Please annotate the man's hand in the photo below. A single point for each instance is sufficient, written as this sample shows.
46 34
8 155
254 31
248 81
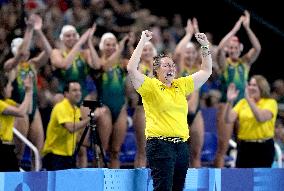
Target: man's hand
85 111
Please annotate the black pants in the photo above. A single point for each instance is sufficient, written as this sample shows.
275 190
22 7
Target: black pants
8 159
168 163
58 162
255 155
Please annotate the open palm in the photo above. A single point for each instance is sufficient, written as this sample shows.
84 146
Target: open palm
232 92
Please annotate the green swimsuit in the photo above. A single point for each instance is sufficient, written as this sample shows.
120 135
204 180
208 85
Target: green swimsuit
78 71
236 72
18 93
112 90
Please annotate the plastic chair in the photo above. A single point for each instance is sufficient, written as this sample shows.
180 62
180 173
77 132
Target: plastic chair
128 148
209 147
211 140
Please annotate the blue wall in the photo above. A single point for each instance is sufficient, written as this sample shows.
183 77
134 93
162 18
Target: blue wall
140 180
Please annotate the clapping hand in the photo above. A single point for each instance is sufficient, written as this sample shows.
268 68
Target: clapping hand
92 30
246 19
195 25
28 83
232 92
189 29
238 24
84 38
37 22
30 21
122 42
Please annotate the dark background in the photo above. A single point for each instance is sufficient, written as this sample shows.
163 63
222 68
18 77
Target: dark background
219 17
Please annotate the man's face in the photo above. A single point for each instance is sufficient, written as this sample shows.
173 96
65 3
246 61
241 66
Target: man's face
74 94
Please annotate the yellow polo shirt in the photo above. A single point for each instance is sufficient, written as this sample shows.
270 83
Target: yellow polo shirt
249 127
59 140
6 121
166 107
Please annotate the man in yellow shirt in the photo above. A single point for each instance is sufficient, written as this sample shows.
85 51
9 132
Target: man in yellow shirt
61 130
8 111
165 104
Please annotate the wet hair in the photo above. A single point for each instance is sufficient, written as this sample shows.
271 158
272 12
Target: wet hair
263 85
3 83
157 63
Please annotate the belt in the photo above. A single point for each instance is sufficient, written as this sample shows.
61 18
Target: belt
6 142
168 139
256 140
